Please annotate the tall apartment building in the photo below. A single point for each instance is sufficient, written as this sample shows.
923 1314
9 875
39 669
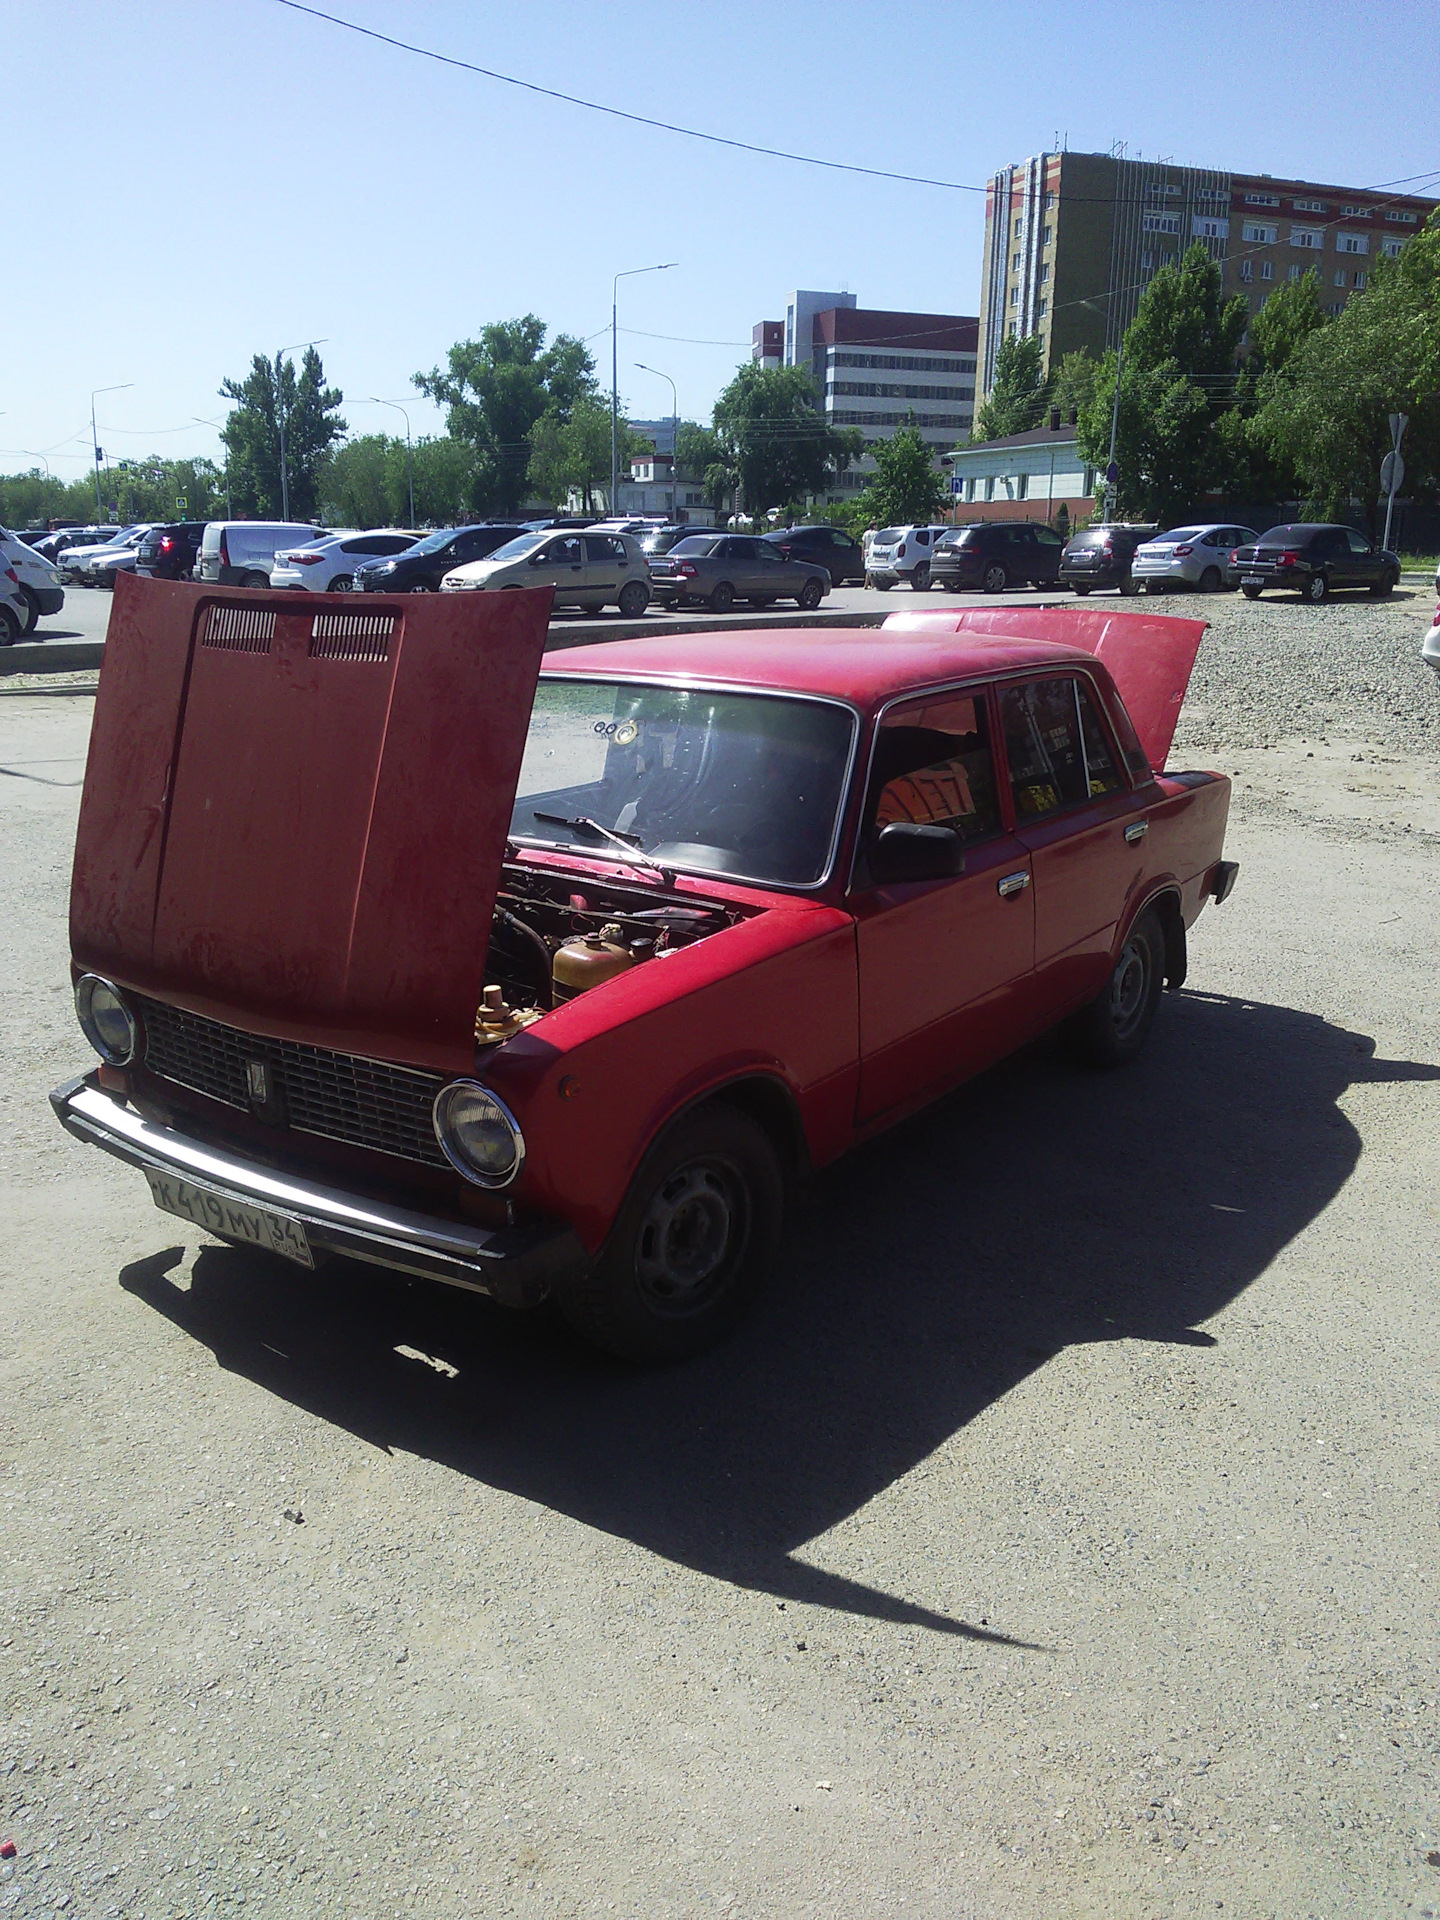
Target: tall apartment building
1073 239
873 369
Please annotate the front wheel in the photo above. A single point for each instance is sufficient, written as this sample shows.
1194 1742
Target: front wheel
634 599
343 583
1379 589
1129 588
920 578
1115 1025
996 580
882 586
691 1244
1316 589
722 597
810 595
421 586
1251 593
9 627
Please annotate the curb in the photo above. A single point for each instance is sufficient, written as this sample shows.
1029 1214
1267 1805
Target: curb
59 656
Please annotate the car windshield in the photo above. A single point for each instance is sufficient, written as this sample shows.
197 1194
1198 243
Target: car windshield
1176 536
743 784
518 548
433 542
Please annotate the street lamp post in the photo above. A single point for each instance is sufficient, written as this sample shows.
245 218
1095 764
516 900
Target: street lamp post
628 274
674 437
280 420
409 456
94 450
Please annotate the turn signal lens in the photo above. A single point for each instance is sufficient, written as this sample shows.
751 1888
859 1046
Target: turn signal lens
478 1134
105 1020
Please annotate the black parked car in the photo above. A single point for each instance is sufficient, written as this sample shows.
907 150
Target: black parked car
990 555
841 555
168 552
1101 556
421 568
54 544
1313 559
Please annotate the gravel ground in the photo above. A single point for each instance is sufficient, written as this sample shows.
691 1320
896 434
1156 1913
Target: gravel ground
1058 1540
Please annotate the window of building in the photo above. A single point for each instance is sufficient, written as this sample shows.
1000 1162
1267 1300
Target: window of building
1206 229
1358 213
1307 236
1047 234
970 488
1147 263
1352 243
1022 485
1339 276
1257 231
1019 228
1335 307
1049 202
1044 272
1089 486
1359 276
1013 328
1262 199
1014 296
1016 261
1308 206
990 486
1391 248
1295 272
1267 269
1160 223
1400 217
1247 270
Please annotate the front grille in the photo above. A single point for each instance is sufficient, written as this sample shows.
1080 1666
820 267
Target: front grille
366 1103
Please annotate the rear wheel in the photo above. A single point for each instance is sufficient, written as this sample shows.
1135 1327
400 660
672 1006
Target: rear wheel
691 1244
1130 588
1251 593
920 578
722 597
254 580
634 599
995 579
810 595
1114 1027
32 609
1316 589
882 586
343 583
1210 580
9 627
1079 592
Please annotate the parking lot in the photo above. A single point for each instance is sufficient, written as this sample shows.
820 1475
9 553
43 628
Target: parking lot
1058 1539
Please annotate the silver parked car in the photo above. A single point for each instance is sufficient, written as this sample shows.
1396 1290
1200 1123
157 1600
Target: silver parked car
586 568
903 553
1188 557
721 568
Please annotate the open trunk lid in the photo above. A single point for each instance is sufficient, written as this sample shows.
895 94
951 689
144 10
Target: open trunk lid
1150 657
294 813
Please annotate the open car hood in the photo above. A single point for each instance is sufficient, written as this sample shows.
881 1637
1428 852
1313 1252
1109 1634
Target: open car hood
1150 657
294 813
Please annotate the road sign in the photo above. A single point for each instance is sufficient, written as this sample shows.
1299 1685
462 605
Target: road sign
180 503
1392 473
1398 424
1112 474
957 485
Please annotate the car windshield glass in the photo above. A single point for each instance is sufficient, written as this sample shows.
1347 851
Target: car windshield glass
433 542
735 783
1177 536
887 535
517 549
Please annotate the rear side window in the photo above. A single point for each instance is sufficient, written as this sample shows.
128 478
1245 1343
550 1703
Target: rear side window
933 766
604 548
1057 748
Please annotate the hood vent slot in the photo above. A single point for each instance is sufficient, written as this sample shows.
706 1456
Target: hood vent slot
351 636
239 629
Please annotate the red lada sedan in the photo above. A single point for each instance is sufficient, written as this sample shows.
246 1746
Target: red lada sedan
546 983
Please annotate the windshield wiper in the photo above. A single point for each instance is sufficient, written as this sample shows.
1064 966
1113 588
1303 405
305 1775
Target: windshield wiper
628 842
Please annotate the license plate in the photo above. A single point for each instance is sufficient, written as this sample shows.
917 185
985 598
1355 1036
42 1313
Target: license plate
1252 579
255 1226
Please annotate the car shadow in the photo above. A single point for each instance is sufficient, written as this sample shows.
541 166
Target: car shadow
923 1278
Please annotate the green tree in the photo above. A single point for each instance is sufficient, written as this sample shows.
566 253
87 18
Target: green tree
1325 408
1017 397
906 489
357 487
700 458
575 452
496 389
1253 469
252 435
442 481
775 441
1178 378
1072 384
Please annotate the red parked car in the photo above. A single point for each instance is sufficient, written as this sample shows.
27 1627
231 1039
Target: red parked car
546 983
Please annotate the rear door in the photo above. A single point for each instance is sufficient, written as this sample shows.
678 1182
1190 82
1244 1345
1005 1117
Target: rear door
604 567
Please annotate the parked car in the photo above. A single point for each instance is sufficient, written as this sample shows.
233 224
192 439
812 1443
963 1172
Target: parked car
38 579
102 567
74 561
991 555
1188 557
840 553
1102 556
54 544
421 568
657 928
660 540
241 553
1314 559
1430 645
13 609
170 552
590 570
717 569
328 565
903 553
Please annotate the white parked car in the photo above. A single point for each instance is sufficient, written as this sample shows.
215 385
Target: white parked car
37 578
102 567
241 553
586 568
1188 557
1430 645
12 607
328 565
74 562
902 553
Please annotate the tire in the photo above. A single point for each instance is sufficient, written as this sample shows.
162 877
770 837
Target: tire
883 586
1316 589
810 596
761 601
342 583
691 1244
634 599
920 578
420 586
32 609
994 580
1129 588
1111 1031
722 597
1251 593
1378 590
9 628
1079 592
255 580
1210 581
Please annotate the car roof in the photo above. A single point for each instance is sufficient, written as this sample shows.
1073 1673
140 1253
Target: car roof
861 665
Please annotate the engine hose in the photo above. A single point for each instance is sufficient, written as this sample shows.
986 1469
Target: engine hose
539 949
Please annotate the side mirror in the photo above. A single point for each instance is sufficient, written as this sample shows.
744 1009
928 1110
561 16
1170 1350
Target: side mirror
908 851
536 559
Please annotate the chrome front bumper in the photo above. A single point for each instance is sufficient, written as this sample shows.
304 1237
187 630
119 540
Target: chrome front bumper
518 1266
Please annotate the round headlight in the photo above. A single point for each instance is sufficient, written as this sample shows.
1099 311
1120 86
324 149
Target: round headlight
479 1134
105 1020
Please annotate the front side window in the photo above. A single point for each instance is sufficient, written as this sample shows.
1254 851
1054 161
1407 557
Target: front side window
1057 747
748 785
1358 542
933 767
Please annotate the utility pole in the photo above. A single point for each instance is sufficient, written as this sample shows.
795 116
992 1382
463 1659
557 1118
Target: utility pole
1392 468
94 450
628 274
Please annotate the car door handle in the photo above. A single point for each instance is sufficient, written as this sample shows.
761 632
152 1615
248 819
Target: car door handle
1009 883
1136 832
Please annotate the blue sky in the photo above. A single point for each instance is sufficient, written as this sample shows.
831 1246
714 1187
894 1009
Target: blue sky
194 183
